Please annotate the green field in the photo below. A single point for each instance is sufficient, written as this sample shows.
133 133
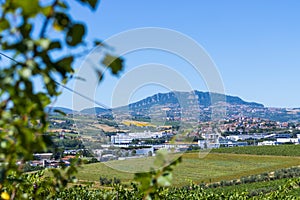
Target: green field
280 150
214 167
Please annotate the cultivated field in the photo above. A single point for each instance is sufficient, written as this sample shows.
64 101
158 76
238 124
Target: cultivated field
212 168
280 150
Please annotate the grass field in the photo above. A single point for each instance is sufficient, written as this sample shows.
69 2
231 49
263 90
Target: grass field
280 150
212 168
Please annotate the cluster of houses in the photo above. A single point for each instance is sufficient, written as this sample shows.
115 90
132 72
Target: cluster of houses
47 160
217 141
210 140
280 139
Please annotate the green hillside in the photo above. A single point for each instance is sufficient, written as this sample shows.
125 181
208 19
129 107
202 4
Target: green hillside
214 167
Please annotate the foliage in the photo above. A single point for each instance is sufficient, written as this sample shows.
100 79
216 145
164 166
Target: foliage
109 181
281 191
28 168
151 182
37 62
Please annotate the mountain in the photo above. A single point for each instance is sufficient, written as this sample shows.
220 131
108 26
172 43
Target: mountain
203 99
190 105
195 105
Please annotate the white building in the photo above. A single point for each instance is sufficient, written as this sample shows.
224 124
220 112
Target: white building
127 138
288 140
206 144
267 143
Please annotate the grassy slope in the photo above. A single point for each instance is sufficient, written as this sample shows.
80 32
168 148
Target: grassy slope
214 167
282 150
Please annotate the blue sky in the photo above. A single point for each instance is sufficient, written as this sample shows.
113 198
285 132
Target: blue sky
254 44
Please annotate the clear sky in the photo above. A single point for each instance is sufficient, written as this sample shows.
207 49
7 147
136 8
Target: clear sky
254 44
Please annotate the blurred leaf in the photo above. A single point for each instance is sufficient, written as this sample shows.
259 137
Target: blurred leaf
4 24
59 112
160 157
145 180
47 11
113 62
65 61
25 30
57 27
75 34
91 3
43 42
29 8
165 179
62 21
99 74
64 65
54 45
63 4
25 73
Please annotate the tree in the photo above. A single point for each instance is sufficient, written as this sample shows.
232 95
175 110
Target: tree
133 152
33 54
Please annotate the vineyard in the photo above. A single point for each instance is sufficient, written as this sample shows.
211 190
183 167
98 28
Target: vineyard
282 189
190 192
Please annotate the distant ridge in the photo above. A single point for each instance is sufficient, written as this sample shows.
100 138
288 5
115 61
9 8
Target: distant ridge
204 99
173 104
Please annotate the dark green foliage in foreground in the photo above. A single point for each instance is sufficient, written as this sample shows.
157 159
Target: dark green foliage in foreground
283 191
36 186
279 150
108 181
39 40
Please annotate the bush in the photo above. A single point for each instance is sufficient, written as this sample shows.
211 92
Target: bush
109 182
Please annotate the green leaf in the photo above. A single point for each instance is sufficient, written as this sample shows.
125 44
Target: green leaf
47 11
60 112
165 180
91 3
29 8
160 158
54 45
75 34
62 21
25 30
4 24
63 5
113 62
65 61
64 65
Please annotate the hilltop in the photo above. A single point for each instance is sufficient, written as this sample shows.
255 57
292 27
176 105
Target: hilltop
194 105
